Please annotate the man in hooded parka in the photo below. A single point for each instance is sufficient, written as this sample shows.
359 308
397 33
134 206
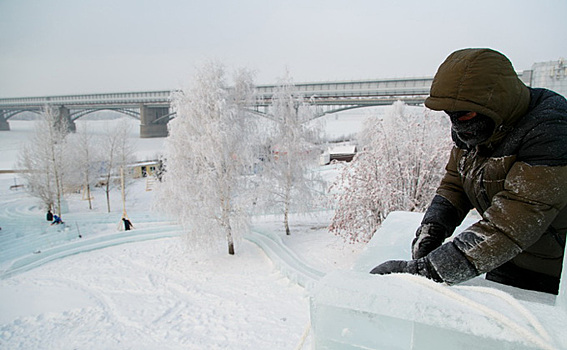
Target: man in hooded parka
509 162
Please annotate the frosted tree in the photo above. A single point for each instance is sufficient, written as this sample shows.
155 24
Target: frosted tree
86 158
399 167
289 184
117 153
209 150
43 160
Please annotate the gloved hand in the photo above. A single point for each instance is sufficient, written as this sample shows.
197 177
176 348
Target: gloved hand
420 267
427 238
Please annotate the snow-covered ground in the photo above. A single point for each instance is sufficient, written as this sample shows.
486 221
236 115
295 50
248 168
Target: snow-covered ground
151 294
143 289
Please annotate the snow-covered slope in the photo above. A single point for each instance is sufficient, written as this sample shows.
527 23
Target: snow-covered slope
153 294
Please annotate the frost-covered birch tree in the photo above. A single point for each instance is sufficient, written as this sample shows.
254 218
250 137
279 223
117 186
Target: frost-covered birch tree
86 159
117 152
43 160
289 182
399 167
209 150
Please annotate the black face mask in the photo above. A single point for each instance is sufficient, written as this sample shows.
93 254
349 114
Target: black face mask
471 130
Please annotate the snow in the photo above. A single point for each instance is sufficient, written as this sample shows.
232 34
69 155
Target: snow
144 289
151 294
342 149
97 292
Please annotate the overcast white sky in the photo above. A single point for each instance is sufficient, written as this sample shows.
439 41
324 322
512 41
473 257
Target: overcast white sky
51 47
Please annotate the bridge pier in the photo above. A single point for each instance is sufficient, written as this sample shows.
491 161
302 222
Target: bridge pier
64 119
4 125
148 125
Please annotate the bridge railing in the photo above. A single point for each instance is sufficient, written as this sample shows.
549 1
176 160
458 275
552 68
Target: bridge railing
124 99
359 92
354 92
351 88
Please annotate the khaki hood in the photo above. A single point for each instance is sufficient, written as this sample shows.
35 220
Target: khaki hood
482 81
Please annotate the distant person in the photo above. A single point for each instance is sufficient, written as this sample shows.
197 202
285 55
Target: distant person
509 162
49 215
127 224
56 220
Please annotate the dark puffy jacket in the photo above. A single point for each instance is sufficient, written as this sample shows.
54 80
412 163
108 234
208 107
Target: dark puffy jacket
517 180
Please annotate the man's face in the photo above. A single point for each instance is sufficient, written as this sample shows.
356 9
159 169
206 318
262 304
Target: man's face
471 127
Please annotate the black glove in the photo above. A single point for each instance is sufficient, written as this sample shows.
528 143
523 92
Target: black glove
439 222
420 267
427 238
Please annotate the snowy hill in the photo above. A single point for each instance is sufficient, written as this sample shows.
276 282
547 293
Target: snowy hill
150 294
144 289
59 291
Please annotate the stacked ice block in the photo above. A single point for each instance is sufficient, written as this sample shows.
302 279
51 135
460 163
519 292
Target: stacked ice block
355 310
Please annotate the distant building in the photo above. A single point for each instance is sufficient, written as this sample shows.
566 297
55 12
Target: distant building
551 75
339 153
143 169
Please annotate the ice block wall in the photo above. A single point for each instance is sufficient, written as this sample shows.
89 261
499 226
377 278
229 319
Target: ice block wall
355 310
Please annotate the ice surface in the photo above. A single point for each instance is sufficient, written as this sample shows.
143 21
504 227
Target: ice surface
356 310
27 240
287 262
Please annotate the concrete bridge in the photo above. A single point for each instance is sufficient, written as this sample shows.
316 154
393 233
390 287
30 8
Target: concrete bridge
152 108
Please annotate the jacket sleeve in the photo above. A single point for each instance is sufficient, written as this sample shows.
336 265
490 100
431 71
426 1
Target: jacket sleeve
532 197
446 211
456 204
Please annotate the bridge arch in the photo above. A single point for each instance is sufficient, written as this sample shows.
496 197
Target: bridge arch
82 113
166 117
12 114
326 109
